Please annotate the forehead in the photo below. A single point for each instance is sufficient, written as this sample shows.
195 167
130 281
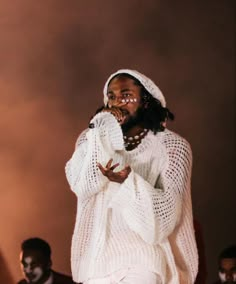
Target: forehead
122 82
228 263
32 255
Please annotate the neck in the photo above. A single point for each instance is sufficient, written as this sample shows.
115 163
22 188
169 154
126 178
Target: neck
134 136
46 278
133 131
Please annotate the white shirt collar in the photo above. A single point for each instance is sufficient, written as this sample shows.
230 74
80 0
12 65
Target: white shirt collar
49 280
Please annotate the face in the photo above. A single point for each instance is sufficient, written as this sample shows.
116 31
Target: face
35 267
123 93
227 270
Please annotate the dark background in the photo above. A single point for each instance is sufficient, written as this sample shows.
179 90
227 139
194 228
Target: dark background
55 56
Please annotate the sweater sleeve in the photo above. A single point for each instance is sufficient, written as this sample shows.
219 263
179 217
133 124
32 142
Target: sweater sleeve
95 145
154 212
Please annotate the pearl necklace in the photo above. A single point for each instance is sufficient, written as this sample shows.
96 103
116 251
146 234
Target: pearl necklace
136 139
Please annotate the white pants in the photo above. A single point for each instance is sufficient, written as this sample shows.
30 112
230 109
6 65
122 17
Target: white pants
128 276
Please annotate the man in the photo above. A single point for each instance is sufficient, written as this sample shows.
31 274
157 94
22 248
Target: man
36 263
132 179
227 266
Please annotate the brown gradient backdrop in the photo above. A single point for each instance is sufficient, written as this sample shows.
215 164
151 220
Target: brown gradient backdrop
54 58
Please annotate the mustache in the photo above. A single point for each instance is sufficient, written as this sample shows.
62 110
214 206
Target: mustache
124 111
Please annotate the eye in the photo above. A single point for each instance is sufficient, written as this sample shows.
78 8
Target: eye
34 265
125 95
111 97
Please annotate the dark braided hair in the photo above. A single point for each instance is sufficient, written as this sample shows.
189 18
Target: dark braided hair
155 114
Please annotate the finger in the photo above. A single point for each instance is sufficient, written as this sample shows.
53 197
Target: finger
120 104
114 166
111 110
109 164
120 116
127 167
117 113
101 168
123 173
126 171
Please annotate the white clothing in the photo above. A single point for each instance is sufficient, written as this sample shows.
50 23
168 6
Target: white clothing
148 84
50 279
128 276
145 221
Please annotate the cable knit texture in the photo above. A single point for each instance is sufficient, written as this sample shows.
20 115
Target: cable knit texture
145 221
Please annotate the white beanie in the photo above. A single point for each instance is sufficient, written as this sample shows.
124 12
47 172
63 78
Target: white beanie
147 83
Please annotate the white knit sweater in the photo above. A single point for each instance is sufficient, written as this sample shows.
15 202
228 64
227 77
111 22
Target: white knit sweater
145 221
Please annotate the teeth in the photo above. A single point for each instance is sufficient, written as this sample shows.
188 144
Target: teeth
135 100
127 100
131 100
123 101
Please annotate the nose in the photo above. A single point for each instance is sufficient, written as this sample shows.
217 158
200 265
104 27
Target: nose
118 102
27 269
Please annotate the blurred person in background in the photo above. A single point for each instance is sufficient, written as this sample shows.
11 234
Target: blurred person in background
36 264
227 266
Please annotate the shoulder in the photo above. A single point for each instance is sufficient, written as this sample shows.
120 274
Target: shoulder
176 148
172 138
174 142
60 278
81 138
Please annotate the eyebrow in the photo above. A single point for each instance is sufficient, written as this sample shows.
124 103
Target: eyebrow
122 91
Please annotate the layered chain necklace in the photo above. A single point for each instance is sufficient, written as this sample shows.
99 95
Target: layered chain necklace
136 139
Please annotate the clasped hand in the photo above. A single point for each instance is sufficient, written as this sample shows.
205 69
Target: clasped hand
108 171
116 110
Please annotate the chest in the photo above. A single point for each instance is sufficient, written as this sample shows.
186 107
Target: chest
148 162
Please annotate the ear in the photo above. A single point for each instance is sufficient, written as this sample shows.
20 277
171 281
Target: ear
163 123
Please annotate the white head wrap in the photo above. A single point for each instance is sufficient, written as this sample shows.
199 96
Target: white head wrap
148 84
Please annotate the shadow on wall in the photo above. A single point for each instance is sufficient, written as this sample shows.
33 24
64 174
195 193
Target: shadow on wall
5 275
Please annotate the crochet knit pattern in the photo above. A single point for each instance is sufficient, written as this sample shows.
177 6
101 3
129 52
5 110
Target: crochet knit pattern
145 221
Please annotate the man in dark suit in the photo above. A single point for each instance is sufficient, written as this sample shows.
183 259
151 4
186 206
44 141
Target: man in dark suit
36 264
227 266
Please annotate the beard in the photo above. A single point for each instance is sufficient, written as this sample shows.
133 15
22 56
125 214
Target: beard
137 119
